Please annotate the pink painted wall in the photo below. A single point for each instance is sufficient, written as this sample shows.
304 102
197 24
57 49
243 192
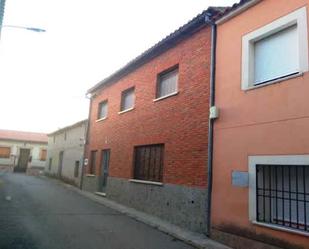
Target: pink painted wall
271 120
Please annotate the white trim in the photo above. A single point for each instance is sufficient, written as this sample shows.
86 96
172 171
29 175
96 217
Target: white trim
100 194
89 175
297 160
127 110
101 119
237 11
281 228
166 96
298 17
146 182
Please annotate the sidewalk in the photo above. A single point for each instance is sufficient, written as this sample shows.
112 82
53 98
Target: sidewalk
195 239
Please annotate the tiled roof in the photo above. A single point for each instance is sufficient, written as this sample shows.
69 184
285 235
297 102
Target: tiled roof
23 136
160 47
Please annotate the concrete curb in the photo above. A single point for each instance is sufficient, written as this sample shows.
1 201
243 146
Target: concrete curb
195 239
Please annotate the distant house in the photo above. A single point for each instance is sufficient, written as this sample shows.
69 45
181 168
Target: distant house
22 151
65 152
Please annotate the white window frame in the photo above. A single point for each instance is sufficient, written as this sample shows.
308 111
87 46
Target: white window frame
297 160
298 17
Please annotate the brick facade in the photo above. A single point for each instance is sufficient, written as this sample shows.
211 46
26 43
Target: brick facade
180 121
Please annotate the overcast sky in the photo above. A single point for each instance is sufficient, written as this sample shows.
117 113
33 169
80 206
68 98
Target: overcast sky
44 76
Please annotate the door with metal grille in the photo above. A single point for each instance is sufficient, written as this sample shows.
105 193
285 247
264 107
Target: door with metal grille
104 168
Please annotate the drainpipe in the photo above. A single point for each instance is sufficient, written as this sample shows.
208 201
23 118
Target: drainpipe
211 120
85 143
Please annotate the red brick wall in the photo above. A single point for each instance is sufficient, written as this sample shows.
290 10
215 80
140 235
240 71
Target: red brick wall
180 122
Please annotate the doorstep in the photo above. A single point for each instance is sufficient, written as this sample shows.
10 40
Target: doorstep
100 194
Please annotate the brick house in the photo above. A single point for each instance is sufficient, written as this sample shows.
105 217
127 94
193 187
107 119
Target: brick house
261 139
148 129
22 151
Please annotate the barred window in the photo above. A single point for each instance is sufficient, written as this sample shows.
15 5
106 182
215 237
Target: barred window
93 159
148 162
282 195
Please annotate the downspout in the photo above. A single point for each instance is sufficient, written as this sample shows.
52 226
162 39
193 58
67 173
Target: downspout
211 120
85 143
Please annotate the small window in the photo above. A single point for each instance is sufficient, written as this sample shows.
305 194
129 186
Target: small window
5 152
276 51
93 158
50 163
276 56
65 135
43 154
76 169
282 195
127 99
102 111
148 162
167 83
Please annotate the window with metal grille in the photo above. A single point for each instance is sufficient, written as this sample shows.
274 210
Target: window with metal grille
102 111
76 169
148 162
5 152
282 195
167 82
127 99
93 158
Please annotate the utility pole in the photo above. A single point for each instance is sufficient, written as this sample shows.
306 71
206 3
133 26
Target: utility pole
2 4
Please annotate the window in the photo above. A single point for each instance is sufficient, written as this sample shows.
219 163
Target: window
279 192
65 135
127 99
282 195
50 163
5 152
148 162
102 112
167 83
276 51
43 153
93 158
76 169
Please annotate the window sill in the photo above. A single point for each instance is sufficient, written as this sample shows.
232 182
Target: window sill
128 110
166 96
285 229
101 119
146 182
90 175
275 81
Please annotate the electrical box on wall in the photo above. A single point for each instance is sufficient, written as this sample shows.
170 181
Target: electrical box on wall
213 112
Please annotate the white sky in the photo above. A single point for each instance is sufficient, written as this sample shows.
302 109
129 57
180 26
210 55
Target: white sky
44 76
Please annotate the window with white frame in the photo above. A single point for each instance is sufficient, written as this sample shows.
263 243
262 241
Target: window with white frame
102 111
127 99
279 192
276 51
167 82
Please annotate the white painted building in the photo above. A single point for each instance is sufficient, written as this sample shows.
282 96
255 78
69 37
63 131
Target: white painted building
65 152
22 151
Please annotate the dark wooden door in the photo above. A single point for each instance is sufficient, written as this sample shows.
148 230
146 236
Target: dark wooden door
104 168
60 163
24 155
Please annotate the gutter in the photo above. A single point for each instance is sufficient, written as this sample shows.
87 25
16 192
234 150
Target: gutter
211 121
86 141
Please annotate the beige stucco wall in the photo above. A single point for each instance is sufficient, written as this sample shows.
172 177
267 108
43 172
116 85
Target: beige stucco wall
73 147
271 120
15 146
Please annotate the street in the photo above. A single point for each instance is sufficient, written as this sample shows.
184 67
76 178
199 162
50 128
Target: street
38 213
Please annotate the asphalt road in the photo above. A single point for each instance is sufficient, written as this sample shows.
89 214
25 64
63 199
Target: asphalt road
37 213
